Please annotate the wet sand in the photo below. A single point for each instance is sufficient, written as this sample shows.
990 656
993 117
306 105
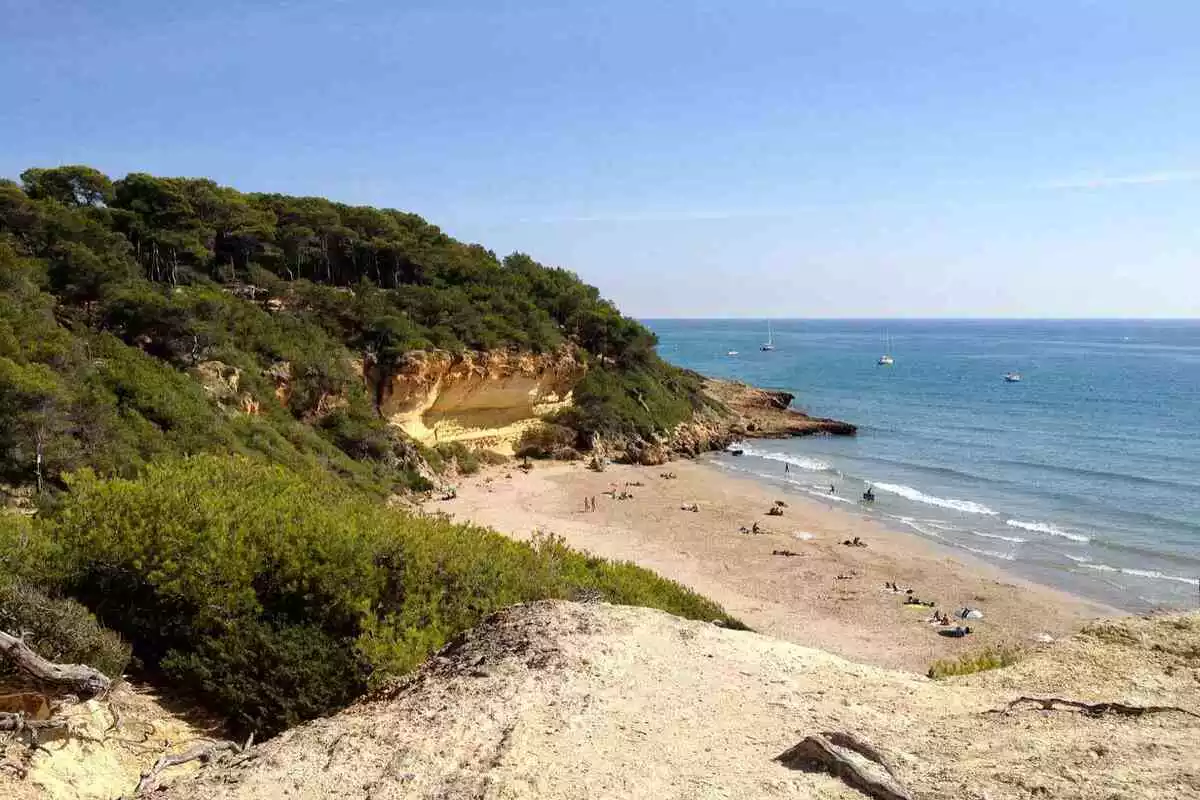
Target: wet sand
799 598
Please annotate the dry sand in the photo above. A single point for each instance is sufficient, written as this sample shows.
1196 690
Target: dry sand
799 599
563 701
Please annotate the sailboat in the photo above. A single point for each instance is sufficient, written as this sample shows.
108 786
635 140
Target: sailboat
886 359
769 344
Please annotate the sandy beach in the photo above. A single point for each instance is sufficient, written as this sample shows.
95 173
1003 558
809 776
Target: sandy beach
828 595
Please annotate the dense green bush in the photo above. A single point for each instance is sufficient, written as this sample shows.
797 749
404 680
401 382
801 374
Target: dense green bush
275 597
633 401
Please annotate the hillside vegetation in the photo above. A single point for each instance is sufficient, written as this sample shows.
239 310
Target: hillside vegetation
184 423
112 292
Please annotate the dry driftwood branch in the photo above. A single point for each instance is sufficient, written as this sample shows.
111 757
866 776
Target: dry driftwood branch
15 722
823 750
1050 703
79 678
204 751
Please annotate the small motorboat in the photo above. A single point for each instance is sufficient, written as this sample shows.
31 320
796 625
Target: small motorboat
885 361
732 353
1012 377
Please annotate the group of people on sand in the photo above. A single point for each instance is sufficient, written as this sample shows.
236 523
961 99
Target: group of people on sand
941 618
589 503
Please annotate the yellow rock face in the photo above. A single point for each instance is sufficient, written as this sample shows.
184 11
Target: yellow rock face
486 399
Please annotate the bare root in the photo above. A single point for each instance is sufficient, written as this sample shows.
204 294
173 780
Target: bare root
1096 709
204 752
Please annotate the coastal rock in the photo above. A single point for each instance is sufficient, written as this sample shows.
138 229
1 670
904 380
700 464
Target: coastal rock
736 411
767 413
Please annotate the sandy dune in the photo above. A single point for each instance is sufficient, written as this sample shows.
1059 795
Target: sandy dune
559 700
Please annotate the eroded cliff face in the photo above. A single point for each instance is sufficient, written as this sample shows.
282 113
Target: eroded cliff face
485 399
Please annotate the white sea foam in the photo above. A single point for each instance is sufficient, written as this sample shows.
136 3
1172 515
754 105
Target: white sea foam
1077 559
827 496
918 496
991 553
1153 574
918 526
1045 527
1013 539
800 462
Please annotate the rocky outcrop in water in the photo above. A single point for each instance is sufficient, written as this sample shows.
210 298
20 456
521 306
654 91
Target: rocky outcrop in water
739 411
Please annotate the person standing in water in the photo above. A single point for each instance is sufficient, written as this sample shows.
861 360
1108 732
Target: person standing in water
786 467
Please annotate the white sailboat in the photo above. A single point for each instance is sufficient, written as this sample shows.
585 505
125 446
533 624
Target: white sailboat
769 344
886 359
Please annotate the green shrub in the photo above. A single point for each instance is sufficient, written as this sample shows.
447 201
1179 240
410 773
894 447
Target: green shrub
991 658
58 629
274 596
641 400
491 457
548 440
465 460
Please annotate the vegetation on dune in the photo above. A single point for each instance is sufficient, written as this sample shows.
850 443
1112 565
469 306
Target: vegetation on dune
982 661
274 596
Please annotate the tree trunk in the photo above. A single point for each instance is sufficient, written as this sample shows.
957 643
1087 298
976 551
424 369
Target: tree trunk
79 678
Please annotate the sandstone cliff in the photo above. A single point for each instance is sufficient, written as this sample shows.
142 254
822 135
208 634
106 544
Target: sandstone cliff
558 700
486 399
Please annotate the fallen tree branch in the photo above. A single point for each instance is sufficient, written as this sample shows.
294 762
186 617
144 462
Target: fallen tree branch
79 678
205 752
19 723
823 750
1096 709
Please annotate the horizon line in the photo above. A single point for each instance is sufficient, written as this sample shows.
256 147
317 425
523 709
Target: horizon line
919 319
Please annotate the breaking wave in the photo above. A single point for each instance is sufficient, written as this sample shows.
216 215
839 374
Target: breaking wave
1045 527
800 462
917 496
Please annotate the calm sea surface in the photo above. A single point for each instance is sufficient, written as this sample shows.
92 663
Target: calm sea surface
1085 475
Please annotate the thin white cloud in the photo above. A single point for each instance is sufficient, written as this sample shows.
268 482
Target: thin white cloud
660 216
1148 179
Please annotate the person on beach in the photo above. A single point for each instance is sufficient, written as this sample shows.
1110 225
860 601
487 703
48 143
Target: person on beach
786 467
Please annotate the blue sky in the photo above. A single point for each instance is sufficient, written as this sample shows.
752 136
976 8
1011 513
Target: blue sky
705 158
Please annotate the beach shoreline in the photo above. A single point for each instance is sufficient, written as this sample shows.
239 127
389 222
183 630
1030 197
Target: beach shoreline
825 594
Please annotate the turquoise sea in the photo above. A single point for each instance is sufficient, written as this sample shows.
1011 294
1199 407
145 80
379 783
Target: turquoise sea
1084 475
